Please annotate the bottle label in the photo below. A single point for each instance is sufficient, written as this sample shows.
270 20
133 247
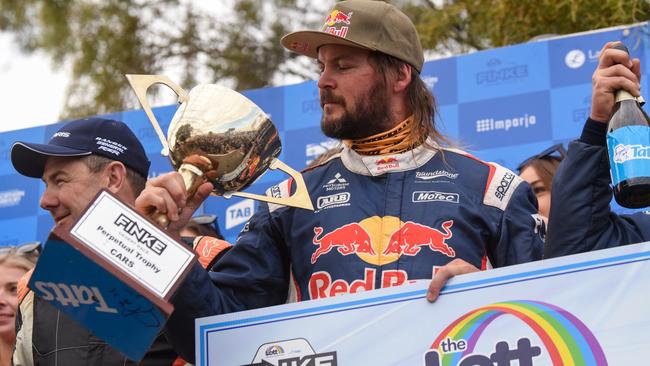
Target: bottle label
629 153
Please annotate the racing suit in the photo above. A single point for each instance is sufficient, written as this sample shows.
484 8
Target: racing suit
580 218
379 221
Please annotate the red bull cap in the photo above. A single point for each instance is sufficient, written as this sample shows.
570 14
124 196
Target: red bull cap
373 25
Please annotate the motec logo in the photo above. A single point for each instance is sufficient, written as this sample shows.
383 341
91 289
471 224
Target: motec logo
434 196
565 339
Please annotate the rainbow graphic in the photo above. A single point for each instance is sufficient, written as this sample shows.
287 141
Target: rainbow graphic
566 338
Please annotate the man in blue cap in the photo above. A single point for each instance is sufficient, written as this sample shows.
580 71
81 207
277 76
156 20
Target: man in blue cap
81 158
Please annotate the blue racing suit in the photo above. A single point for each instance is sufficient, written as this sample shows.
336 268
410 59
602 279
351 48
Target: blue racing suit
581 219
379 221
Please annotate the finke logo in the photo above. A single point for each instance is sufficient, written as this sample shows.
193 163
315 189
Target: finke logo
142 235
504 185
566 338
623 153
500 75
433 196
436 174
574 59
334 200
61 134
11 198
490 124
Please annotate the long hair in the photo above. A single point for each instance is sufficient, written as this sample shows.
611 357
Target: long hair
420 100
545 167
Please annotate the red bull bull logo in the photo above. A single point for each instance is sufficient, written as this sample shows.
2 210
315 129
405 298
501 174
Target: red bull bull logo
387 163
381 241
348 239
336 17
410 237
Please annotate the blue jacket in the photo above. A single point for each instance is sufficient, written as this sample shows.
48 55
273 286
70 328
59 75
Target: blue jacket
379 221
581 219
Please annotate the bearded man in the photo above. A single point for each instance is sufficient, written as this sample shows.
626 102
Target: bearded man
394 205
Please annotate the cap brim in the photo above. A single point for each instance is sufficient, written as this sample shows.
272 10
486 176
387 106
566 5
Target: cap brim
307 42
29 159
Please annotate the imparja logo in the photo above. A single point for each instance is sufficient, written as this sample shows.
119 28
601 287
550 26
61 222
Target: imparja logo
623 153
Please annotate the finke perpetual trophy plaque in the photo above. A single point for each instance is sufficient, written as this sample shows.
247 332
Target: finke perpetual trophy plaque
220 136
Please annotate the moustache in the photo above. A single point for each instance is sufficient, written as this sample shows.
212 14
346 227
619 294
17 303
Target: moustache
327 96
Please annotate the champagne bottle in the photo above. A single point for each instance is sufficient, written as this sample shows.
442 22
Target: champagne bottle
628 145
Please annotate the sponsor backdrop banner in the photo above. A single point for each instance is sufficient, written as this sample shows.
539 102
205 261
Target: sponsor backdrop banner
524 313
502 105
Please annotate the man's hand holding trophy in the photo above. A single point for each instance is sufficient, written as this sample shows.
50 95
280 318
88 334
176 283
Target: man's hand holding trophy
219 136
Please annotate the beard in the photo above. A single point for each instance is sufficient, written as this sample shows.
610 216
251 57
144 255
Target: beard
370 116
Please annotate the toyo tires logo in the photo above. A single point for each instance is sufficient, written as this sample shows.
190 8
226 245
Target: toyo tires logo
623 153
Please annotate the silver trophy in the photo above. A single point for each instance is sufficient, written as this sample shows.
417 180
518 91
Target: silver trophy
220 136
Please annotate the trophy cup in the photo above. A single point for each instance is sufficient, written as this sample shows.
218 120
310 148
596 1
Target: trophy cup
220 136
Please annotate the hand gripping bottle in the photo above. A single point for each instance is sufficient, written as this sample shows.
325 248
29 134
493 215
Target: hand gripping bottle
628 145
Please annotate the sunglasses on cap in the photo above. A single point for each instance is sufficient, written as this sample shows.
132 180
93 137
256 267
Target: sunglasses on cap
27 248
556 151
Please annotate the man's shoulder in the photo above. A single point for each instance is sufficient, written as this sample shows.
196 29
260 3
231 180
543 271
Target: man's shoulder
498 183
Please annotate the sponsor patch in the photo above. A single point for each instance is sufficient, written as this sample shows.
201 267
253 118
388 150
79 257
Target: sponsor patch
61 134
292 352
500 186
337 183
333 200
429 176
434 196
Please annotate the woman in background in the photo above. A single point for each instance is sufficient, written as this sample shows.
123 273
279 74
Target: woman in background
538 171
14 263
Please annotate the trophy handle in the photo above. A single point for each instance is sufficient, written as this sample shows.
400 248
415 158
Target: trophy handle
299 199
142 83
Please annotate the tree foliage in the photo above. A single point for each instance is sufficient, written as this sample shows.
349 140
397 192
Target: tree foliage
238 44
467 25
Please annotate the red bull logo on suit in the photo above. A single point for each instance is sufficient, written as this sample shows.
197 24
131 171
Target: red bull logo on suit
378 241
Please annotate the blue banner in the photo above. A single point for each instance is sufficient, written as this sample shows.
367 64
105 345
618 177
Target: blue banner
502 105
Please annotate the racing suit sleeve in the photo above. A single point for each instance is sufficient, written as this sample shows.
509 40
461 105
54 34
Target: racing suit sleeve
521 235
253 274
581 219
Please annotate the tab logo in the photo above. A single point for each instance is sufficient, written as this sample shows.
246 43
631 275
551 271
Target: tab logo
623 153
241 212
334 200
433 196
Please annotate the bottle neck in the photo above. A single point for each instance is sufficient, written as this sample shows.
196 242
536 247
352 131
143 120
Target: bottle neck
623 95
